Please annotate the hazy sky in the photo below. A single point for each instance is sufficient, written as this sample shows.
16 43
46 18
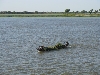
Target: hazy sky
48 5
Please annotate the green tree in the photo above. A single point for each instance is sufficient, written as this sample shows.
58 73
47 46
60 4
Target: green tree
36 12
9 12
91 11
67 10
83 11
96 11
14 12
77 11
25 12
99 10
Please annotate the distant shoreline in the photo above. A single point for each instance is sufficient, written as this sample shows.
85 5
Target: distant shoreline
51 15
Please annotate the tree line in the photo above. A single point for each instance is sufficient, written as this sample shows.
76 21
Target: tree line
26 12
37 12
83 11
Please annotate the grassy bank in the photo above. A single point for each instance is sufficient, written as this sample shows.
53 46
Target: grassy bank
51 15
31 15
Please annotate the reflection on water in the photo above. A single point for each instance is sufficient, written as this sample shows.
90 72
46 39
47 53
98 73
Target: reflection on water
19 38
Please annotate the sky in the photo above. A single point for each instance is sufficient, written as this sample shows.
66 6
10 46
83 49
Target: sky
48 5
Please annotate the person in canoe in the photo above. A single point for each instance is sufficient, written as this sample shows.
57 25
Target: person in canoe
56 47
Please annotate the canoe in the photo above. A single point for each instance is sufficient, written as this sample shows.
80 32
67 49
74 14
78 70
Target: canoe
55 47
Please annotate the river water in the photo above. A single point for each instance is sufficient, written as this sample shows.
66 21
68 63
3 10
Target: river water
19 38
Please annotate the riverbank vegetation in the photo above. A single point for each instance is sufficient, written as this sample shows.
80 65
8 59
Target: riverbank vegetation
66 13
